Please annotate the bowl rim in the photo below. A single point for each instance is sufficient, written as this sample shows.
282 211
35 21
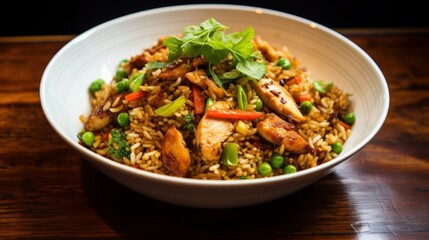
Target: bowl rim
199 182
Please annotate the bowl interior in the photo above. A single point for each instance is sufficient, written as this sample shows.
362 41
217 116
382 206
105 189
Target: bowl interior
96 53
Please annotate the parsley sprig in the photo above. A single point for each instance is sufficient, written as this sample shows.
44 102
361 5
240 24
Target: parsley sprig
210 40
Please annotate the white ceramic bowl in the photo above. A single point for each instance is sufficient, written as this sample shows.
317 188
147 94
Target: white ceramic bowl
96 52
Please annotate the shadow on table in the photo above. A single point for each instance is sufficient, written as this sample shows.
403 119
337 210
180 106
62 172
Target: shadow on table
306 212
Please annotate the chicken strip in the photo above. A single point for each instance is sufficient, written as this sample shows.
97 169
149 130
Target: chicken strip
276 130
175 154
100 117
174 71
199 77
211 133
269 52
278 98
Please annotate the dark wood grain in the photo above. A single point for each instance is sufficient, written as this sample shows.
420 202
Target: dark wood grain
48 192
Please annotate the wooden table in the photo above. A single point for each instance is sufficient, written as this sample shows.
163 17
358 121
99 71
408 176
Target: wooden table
48 191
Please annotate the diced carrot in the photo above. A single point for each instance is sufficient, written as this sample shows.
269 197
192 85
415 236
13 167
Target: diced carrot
199 104
134 96
305 97
234 114
345 125
106 136
294 80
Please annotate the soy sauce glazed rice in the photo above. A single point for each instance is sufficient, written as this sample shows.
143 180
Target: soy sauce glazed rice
234 107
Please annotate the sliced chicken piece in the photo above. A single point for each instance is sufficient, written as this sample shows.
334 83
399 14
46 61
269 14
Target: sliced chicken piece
97 120
100 117
196 77
276 130
199 77
173 72
269 52
211 133
139 61
278 99
218 91
175 154
199 61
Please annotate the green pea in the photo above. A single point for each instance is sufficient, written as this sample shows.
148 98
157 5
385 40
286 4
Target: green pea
277 160
230 155
349 118
122 86
96 85
209 102
305 107
241 97
265 169
259 104
284 63
123 119
289 169
88 138
120 73
337 147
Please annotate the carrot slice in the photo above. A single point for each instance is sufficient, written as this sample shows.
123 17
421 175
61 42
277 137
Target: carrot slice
345 125
234 114
305 97
199 104
134 96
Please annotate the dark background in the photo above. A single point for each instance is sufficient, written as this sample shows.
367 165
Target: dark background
74 17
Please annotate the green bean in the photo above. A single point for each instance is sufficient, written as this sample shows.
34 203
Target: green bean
241 97
209 102
230 155
136 81
233 74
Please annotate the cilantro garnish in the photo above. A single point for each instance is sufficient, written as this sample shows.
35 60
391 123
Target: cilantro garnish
210 40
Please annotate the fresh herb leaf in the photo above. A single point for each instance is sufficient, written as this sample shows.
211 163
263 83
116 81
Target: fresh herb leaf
322 86
216 55
209 39
189 122
255 70
174 45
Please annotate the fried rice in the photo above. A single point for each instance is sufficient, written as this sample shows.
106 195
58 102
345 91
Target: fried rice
321 127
